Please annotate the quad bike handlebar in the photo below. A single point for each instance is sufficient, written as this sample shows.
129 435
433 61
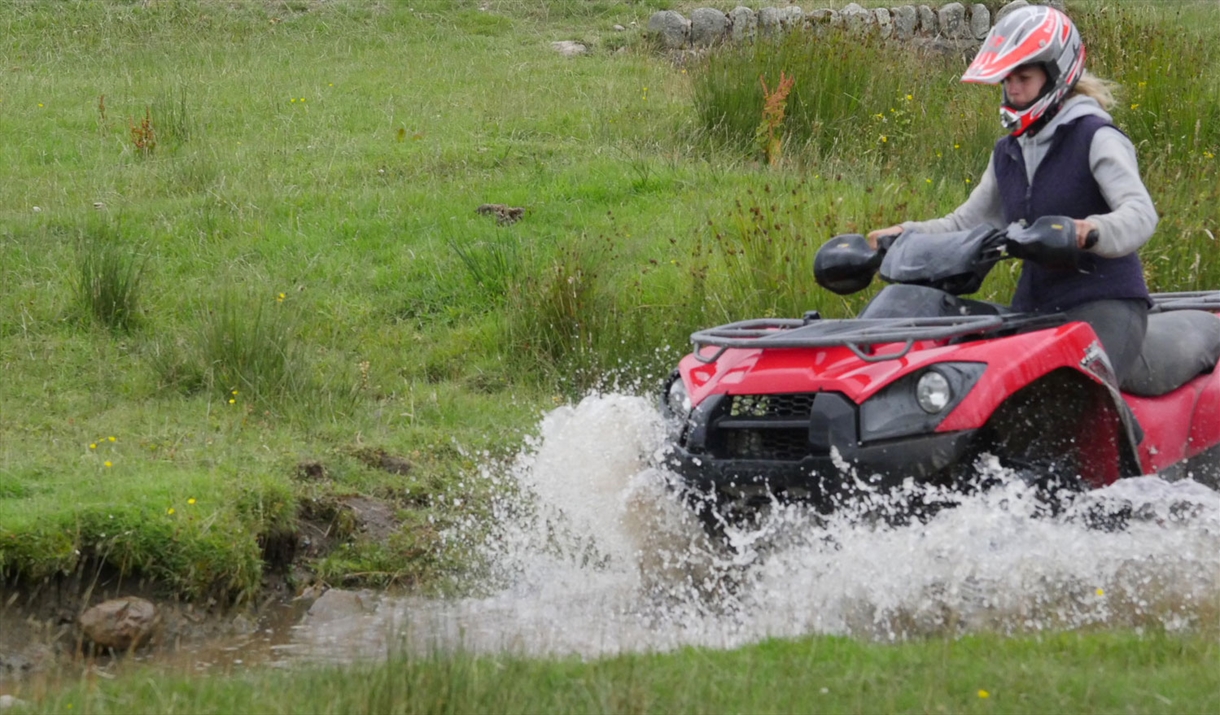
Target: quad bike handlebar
955 262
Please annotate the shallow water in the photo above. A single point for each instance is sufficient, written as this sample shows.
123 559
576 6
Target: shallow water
591 553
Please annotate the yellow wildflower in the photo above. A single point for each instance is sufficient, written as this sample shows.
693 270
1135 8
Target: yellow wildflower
191 500
107 463
170 511
984 694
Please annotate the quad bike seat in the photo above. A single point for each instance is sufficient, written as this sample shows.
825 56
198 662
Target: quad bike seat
1179 345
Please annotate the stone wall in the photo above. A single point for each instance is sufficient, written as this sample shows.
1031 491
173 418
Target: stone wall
708 26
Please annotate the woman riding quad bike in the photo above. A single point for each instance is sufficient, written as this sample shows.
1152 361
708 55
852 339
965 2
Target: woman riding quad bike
925 383
1085 379
1063 157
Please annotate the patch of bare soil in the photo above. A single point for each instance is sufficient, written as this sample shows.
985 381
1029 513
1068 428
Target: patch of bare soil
40 623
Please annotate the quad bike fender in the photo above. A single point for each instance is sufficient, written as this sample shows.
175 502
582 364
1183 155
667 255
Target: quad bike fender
1018 361
1180 425
1205 430
1052 392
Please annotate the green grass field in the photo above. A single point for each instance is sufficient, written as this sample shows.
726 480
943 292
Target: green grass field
242 267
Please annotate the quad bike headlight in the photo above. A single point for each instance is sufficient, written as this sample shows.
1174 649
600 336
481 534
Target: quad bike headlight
916 403
676 398
933 392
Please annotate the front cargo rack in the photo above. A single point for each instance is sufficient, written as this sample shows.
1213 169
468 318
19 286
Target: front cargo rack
858 334
861 334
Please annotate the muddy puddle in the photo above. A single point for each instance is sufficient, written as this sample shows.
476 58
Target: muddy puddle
589 552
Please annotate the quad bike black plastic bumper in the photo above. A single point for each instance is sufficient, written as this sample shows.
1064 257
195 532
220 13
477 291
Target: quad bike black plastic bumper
879 467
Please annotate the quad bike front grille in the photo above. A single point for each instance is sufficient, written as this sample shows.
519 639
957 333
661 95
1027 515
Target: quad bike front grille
793 406
763 427
767 444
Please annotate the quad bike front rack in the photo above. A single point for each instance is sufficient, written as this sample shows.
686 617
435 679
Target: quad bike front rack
860 335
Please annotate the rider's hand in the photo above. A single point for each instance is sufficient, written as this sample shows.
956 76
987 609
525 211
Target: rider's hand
874 235
1083 227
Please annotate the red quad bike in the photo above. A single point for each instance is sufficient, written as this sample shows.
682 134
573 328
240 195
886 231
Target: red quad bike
924 382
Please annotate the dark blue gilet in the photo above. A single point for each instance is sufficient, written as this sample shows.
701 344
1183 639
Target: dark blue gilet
1063 186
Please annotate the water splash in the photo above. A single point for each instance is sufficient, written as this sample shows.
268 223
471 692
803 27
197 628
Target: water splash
592 551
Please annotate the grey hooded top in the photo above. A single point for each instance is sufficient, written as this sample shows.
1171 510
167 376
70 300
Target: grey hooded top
1112 161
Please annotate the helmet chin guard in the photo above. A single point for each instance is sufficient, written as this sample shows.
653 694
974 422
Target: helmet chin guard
1032 35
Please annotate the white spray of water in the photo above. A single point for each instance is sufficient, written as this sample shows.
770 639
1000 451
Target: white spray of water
591 551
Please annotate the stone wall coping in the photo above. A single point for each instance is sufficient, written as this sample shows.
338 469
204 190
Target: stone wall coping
707 26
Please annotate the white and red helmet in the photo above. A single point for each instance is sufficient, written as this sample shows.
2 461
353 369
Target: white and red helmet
1032 35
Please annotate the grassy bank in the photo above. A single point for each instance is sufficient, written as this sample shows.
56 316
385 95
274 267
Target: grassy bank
1102 672
244 281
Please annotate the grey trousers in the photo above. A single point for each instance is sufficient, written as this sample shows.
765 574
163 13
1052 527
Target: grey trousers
1120 324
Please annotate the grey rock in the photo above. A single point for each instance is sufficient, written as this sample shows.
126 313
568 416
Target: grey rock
707 26
819 20
857 20
120 623
743 23
670 29
619 28
906 19
1009 8
927 21
8 701
770 21
791 18
243 625
569 48
338 604
952 20
885 26
980 21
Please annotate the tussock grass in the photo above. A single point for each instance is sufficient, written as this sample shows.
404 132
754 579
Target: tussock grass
109 277
246 344
241 347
